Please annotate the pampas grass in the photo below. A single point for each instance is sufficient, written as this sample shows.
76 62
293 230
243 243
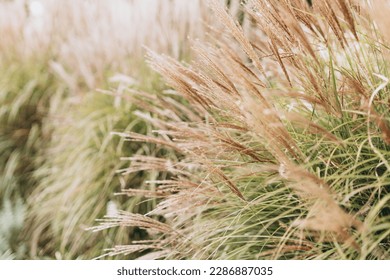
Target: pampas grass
56 128
77 178
269 141
284 144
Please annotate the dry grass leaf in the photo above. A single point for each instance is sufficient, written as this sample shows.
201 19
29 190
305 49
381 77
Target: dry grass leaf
237 33
126 219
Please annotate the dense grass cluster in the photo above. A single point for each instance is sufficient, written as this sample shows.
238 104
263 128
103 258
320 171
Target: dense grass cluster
58 157
285 142
269 140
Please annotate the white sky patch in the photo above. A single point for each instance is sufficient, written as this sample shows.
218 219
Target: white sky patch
112 209
291 106
36 8
308 105
324 53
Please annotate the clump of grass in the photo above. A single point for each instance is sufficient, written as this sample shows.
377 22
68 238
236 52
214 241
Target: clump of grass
77 178
285 142
11 219
25 91
89 46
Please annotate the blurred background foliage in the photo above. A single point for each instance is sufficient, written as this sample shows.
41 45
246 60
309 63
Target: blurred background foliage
58 158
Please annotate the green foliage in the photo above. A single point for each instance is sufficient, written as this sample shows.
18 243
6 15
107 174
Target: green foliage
78 173
25 91
12 215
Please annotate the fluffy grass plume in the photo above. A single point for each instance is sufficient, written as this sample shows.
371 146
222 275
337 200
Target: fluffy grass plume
284 144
